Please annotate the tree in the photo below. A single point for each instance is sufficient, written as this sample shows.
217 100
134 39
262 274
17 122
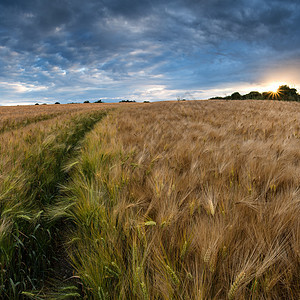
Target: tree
265 95
236 96
286 93
253 95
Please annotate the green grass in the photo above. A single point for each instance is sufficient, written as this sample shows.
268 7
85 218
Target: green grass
29 239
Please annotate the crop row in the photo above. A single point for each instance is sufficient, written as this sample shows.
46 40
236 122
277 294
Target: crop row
31 170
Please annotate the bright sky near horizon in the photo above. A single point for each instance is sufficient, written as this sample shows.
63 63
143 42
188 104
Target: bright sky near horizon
69 51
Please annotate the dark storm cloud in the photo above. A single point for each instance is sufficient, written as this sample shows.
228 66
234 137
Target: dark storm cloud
46 47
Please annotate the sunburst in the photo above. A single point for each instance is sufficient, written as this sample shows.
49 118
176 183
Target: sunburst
274 91
275 95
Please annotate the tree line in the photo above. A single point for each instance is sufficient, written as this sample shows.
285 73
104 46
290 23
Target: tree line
284 93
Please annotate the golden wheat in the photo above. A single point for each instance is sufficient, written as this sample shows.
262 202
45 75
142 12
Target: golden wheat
173 200
201 190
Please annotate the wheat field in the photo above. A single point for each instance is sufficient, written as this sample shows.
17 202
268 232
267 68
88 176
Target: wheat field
170 200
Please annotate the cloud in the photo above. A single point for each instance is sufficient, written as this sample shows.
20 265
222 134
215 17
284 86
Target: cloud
114 48
20 87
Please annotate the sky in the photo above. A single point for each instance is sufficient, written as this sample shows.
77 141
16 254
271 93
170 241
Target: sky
75 50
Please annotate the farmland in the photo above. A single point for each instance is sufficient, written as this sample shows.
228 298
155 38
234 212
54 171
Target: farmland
173 200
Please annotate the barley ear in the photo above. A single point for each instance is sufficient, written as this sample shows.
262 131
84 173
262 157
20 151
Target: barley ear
236 285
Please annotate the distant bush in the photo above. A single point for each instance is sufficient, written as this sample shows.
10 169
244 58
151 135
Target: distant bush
98 101
56 103
86 101
146 101
126 101
36 104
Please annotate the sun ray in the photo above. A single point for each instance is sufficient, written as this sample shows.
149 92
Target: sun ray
275 95
274 91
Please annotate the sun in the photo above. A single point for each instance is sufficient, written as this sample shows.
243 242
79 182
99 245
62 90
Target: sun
273 90
273 87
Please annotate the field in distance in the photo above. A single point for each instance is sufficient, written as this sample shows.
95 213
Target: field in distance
177 200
